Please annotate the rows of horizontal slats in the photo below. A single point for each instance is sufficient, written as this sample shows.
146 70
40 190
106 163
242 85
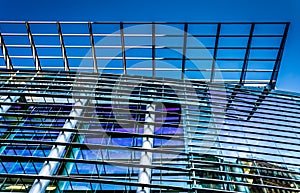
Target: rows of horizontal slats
215 140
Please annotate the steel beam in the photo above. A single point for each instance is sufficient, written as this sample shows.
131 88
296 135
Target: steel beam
33 48
232 96
274 76
40 185
116 22
93 47
258 102
241 79
6 56
63 48
245 64
153 51
184 50
212 76
123 48
146 156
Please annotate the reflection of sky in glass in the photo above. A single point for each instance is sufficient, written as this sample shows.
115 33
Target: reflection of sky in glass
267 132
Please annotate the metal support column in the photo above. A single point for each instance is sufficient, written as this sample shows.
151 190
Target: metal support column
273 79
7 59
246 58
212 76
93 47
33 48
63 48
40 185
184 50
153 51
123 48
146 157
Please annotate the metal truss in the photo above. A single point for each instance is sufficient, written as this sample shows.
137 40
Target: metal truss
243 64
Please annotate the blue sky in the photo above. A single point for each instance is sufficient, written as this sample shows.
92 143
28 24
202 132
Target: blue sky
172 10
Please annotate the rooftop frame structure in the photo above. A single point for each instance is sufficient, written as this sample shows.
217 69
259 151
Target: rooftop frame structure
246 53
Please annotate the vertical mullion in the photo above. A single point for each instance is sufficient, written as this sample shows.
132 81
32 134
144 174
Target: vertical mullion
123 47
63 48
93 47
33 48
245 64
215 53
184 50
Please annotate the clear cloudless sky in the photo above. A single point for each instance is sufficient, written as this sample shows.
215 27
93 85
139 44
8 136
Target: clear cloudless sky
172 10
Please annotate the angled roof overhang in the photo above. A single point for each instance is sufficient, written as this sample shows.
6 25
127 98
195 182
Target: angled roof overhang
242 53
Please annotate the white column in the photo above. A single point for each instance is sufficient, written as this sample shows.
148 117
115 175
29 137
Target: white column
39 186
146 157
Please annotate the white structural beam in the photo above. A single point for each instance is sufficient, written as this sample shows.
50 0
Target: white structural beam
146 156
69 165
40 185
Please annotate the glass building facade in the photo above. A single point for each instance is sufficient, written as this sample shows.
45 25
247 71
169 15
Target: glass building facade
104 125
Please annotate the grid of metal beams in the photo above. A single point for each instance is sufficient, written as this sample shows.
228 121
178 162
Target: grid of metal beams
93 125
260 154
244 53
